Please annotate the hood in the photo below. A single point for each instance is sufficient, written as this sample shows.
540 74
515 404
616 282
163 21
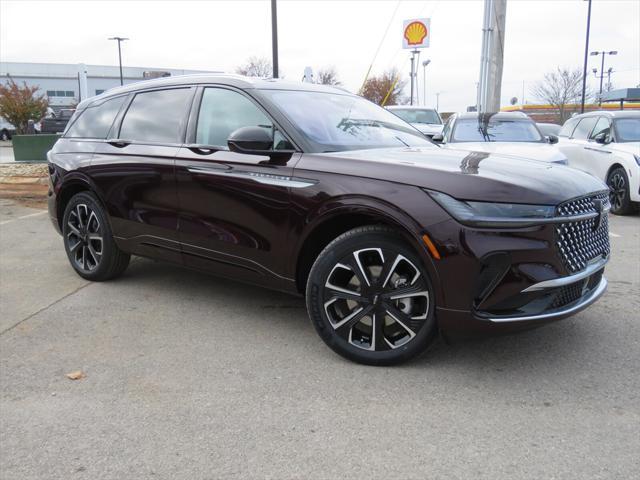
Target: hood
430 129
479 176
626 147
543 152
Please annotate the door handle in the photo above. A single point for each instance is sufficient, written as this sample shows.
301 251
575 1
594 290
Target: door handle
118 142
201 149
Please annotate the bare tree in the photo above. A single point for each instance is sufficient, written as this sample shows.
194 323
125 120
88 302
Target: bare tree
327 76
387 86
562 89
256 67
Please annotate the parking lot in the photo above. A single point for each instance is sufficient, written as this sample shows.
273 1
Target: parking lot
189 376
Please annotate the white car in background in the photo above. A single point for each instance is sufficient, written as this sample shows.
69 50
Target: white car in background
426 120
507 133
606 144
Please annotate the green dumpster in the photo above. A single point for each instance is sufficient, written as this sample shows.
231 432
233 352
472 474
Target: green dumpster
32 148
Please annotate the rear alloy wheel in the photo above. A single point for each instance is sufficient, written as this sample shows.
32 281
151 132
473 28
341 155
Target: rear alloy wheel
618 184
370 298
88 242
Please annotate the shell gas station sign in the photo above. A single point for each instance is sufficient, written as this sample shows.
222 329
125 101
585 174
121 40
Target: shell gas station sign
416 33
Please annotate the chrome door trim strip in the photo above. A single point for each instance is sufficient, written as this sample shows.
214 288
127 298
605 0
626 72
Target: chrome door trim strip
258 177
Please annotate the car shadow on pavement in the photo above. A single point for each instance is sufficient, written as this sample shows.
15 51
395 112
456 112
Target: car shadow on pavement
552 347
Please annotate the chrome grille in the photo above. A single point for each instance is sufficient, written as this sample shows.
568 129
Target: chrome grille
577 241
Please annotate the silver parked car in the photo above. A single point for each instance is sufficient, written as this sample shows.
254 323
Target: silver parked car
507 133
426 120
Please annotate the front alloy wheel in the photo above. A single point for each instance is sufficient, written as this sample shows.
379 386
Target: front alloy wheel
370 298
619 192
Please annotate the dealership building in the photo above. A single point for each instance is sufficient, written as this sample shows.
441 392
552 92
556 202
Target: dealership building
66 84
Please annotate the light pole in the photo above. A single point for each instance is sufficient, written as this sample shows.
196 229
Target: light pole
586 53
595 54
438 102
119 40
424 81
274 37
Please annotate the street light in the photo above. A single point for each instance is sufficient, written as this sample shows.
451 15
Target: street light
603 53
119 40
424 81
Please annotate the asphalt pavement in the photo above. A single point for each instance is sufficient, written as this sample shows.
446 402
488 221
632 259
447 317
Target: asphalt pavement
187 376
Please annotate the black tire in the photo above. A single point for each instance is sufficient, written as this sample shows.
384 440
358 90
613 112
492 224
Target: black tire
372 263
618 184
4 135
88 240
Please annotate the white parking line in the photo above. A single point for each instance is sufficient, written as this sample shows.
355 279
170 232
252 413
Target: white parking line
615 235
23 217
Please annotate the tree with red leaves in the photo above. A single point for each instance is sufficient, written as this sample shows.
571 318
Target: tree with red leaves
19 104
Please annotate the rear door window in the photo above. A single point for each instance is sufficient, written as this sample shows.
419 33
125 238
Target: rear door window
584 128
222 111
96 120
157 117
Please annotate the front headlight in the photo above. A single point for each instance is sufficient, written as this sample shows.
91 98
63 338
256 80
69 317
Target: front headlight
637 159
486 214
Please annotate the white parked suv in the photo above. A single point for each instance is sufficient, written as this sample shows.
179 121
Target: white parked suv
607 145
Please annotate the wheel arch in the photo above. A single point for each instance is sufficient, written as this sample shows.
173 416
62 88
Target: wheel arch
332 224
72 186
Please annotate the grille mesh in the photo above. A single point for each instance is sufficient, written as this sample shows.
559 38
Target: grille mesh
578 242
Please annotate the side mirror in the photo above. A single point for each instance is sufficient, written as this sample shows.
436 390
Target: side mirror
601 138
552 139
437 138
250 140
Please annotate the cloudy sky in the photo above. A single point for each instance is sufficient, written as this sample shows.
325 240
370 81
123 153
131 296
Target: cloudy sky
210 34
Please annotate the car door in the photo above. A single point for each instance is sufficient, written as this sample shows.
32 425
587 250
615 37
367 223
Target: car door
134 172
574 148
598 156
234 207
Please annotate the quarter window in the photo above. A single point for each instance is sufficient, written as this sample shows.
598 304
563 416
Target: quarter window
222 111
584 128
96 120
156 117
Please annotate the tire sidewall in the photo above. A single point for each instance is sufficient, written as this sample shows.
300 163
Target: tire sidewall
345 245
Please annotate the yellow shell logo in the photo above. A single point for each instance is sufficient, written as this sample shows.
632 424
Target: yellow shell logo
415 33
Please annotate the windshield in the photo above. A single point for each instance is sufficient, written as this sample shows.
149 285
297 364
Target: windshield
471 130
628 129
414 115
334 122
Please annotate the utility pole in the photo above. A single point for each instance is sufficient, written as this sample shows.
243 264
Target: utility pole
586 55
595 70
274 37
492 55
119 40
437 101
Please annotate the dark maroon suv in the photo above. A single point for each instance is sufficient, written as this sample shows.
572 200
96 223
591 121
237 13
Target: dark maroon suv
311 190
